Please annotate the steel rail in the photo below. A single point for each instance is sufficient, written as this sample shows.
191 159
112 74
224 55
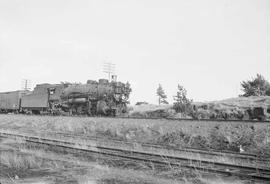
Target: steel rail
206 166
176 119
160 118
246 157
212 152
188 119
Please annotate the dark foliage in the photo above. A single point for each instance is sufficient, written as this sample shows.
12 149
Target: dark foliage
258 86
161 95
182 103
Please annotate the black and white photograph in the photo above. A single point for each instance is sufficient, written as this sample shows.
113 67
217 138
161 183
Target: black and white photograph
134 91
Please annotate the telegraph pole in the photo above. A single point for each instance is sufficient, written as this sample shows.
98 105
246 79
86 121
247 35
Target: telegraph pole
26 84
109 68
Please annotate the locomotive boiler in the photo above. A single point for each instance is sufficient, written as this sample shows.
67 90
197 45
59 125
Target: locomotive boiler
102 97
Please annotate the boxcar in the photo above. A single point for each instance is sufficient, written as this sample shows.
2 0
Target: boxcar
11 101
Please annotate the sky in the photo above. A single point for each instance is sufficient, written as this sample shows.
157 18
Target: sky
208 46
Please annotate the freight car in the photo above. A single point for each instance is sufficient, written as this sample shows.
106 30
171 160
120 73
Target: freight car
11 101
93 98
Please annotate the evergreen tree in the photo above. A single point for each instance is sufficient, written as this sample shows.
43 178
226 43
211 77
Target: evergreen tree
161 95
182 103
256 87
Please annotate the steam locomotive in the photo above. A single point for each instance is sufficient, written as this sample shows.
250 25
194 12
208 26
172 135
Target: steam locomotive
93 98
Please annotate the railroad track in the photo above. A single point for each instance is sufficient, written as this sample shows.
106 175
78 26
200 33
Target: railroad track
179 119
153 156
164 118
245 159
210 152
188 119
223 153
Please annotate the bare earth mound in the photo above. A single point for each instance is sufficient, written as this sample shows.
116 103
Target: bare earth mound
153 111
241 108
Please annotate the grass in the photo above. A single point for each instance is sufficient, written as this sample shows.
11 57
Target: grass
254 138
16 161
171 172
79 169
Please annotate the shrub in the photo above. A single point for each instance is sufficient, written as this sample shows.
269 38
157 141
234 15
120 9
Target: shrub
256 87
182 104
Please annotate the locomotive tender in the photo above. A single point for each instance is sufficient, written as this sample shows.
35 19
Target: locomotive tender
93 98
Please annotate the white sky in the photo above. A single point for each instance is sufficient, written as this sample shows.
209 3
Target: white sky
207 46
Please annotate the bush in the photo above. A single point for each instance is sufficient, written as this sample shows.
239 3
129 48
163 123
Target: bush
256 87
182 104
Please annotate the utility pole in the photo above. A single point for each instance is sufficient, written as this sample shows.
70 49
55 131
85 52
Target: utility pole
26 84
109 68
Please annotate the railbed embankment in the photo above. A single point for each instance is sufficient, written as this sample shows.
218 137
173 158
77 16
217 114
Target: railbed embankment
219 135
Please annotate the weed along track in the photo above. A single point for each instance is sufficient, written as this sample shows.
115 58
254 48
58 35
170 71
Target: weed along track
189 119
166 148
236 164
244 158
